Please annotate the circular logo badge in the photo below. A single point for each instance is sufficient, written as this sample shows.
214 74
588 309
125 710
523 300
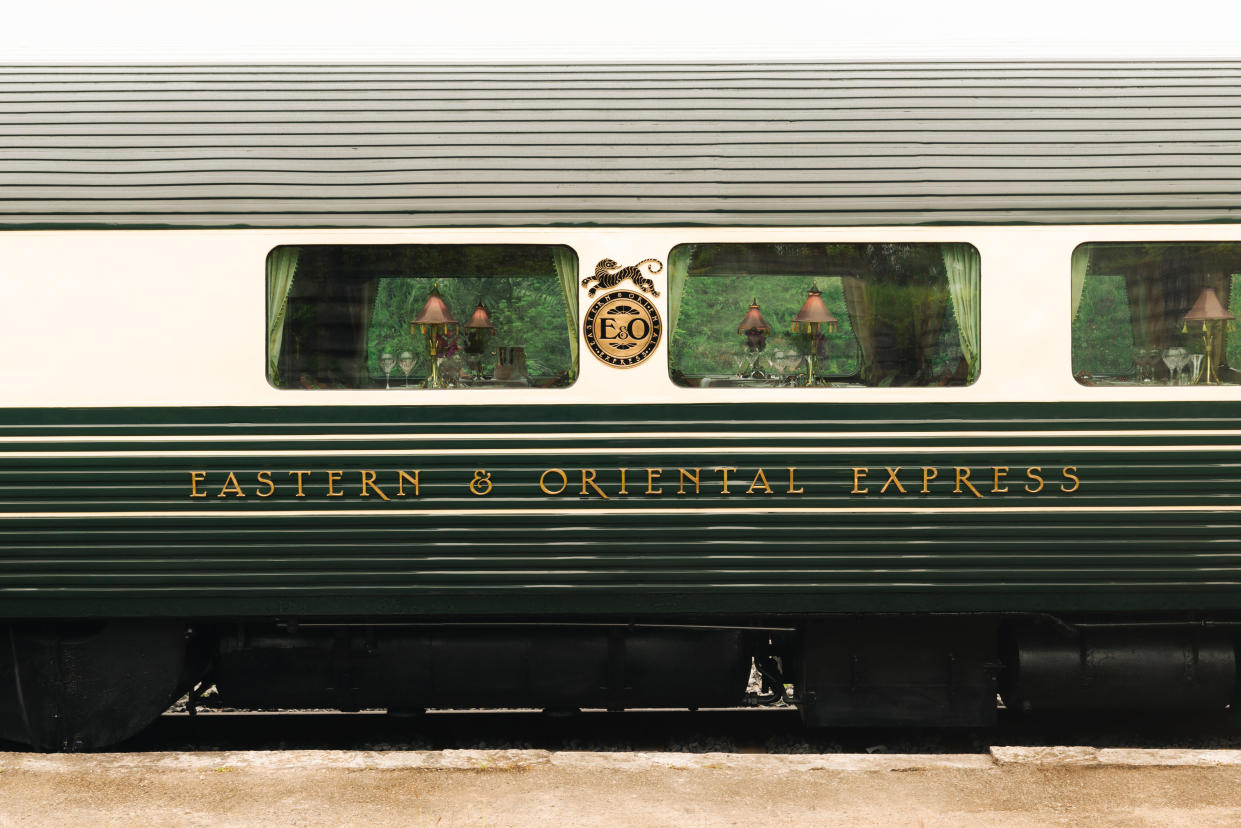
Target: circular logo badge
622 328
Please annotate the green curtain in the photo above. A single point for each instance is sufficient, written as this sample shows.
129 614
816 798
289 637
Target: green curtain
281 265
566 270
1081 261
963 266
897 326
678 272
859 306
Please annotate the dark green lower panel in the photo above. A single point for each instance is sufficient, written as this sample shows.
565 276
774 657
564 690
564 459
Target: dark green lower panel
1155 525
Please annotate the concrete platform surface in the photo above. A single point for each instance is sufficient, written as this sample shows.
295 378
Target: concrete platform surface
1008 786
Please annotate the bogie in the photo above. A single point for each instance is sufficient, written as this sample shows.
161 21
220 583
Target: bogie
84 686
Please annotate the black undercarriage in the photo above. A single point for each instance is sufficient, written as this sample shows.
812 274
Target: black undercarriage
89 685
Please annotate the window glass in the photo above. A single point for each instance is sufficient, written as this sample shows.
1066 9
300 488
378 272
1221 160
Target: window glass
839 315
1157 313
421 316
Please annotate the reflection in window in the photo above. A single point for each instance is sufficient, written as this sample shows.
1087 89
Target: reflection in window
876 315
1155 313
422 316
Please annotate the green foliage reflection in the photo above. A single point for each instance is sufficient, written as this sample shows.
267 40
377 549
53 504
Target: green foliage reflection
893 303
706 339
527 311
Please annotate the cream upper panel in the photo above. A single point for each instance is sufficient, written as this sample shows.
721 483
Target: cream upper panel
176 317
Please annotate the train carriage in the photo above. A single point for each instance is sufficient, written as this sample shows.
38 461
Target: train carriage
435 386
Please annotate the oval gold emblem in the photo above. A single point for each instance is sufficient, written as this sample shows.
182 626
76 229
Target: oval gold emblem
622 328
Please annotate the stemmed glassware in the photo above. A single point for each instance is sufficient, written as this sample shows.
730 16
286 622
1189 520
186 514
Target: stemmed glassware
387 363
1195 361
1175 359
1169 359
407 365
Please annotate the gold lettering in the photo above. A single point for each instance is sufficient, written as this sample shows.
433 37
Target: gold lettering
588 478
623 490
333 477
928 474
858 473
725 470
265 478
481 484
402 476
368 479
564 481
197 477
651 474
792 485
300 475
963 476
231 486
892 479
1034 473
685 475
763 477
1000 472
1068 472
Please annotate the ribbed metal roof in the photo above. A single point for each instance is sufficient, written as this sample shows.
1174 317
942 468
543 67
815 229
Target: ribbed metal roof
519 145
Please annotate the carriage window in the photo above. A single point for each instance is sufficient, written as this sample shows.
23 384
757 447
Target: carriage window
421 316
838 315
1156 313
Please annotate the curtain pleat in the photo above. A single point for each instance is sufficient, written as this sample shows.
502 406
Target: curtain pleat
360 296
281 266
566 270
931 304
678 272
1080 263
857 304
963 266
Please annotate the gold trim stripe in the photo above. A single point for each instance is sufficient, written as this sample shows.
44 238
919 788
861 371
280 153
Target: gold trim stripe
648 511
470 455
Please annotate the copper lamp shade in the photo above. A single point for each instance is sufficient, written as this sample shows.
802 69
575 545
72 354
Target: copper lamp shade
1208 308
753 321
755 328
434 312
814 312
480 319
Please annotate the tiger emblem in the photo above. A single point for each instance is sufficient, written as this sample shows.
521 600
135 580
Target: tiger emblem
608 274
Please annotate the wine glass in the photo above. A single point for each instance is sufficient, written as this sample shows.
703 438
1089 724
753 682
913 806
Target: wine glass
1182 362
407 365
1169 359
1174 358
387 363
1195 368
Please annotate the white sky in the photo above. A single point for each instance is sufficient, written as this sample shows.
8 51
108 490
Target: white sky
612 30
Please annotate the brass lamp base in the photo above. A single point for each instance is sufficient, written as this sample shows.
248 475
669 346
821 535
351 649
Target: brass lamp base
1211 372
433 380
